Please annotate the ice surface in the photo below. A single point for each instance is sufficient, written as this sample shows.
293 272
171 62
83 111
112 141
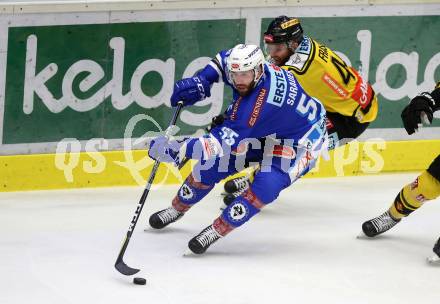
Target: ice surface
60 247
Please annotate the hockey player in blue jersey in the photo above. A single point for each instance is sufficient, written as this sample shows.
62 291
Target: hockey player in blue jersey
268 103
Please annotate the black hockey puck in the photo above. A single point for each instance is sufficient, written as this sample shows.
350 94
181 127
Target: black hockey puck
139 281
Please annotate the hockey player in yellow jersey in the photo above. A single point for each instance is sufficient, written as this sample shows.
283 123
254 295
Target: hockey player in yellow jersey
426 186
349 99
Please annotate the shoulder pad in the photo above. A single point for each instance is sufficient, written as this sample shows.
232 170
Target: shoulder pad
297 61
305 46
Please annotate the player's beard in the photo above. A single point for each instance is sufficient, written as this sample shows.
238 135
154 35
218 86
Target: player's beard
281 60
278 61
243 89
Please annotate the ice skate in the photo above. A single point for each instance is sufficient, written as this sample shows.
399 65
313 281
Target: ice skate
201 242
237 184
230 197
164 217
435 259
378 225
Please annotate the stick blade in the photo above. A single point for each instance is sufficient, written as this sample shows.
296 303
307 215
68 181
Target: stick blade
125 269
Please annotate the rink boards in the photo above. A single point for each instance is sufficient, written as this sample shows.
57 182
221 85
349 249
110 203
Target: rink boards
123 168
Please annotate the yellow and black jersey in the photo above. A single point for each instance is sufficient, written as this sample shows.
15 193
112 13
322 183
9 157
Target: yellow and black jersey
325 76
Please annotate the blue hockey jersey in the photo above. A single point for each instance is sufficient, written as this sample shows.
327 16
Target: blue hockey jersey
277 107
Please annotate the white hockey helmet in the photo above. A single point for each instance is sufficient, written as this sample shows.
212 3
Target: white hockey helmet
246 57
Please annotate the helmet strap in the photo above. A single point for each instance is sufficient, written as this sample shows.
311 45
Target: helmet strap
259 69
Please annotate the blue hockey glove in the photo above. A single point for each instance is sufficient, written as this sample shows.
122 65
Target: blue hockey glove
165 150
190 90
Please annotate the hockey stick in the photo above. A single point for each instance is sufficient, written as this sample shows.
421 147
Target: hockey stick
120 264
183 163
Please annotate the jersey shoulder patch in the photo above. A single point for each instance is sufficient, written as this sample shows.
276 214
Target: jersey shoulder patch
297 62
303 57
305 47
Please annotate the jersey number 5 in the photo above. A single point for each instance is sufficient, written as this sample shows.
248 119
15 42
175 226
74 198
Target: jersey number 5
307 106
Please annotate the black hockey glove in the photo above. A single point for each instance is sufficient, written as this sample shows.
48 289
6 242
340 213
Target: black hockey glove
216 121
411 114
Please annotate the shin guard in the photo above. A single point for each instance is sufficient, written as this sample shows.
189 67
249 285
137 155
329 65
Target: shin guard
190 193
242 209
414 195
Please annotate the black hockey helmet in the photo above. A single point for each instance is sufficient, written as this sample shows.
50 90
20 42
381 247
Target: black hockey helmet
283 29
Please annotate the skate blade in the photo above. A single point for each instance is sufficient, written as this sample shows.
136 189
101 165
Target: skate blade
362 236
188 253
150 229
433 260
